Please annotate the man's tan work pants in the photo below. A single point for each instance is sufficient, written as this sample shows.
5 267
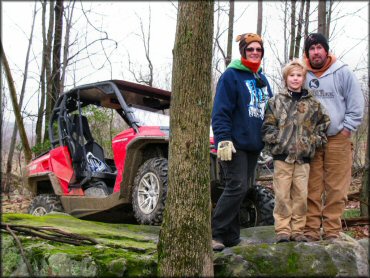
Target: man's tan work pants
290 187
330 175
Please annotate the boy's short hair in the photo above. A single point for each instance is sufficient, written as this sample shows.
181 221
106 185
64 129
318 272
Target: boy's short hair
294 64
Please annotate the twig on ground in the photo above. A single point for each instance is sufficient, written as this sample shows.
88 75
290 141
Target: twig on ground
53 234
29 267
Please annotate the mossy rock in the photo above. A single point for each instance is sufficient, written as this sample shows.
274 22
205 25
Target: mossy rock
122 250
130 250
259 255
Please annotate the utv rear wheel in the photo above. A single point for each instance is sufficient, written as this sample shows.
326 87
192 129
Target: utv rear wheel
257 208
44 204
150 191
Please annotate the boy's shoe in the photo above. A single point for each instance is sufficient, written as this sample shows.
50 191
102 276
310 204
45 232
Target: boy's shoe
298 238
217 246
282 238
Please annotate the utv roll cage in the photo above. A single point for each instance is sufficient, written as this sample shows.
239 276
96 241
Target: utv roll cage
68 128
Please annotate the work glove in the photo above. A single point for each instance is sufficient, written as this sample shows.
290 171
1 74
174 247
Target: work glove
225 150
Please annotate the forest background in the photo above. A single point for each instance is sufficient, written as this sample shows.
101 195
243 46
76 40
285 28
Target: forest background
134 41
47 47
84 42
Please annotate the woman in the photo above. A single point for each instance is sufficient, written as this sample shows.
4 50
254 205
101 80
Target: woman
238 111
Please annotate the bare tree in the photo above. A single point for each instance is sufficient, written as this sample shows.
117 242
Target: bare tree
299 30
140 77
364 191
68 19
226 55
57 46
18 117
48 69
40 113
328 18
230 32
184 247
285 33
13 139
321 18
2 108
259 17
52 69
307 18
292 29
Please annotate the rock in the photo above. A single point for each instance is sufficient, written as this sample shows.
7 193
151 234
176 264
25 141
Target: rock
122 250
130 250
258 255
364 242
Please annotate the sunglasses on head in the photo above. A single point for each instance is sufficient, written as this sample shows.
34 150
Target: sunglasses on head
251 49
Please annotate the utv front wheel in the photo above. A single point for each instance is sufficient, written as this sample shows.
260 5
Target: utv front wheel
150 191
257 207
44 204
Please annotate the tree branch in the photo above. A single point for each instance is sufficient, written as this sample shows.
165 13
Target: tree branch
29 267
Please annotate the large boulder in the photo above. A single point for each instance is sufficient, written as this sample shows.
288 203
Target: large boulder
258 256
130 250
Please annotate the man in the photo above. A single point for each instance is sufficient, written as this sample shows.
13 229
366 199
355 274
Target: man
238 111
337 88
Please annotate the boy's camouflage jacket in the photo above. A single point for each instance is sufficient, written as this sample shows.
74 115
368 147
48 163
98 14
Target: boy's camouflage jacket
295 128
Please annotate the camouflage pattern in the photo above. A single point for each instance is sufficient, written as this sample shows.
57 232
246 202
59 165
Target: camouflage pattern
294 128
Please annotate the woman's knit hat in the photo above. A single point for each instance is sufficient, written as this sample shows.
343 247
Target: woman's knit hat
315 38
247 38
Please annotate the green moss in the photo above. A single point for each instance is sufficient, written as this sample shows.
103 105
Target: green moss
287 260
351 213
130 250
124 235
292 263
122 248
60 259
10 257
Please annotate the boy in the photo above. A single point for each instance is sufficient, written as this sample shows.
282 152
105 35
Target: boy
294 126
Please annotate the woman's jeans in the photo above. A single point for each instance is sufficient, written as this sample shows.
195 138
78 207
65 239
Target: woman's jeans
239 176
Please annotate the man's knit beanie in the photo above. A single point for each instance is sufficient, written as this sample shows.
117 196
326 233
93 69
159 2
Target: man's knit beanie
315 38
247 38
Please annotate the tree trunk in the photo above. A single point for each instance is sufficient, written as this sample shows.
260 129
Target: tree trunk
184 247
40 111
13 139
292 30
58 30
321 18
17 111
56 69
299 31
259 18
230 32
69 18
285 31
364 192
328 19
48 75
307 18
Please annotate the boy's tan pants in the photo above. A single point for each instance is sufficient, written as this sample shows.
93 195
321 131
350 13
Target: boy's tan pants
290 187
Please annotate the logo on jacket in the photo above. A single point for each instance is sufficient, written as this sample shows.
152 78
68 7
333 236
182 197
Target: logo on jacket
314 84
259 98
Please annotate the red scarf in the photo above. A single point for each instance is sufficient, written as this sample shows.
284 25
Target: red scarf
251 65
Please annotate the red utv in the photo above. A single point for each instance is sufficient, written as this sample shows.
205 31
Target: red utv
75 176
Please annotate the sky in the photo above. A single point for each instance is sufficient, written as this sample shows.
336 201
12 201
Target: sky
121 21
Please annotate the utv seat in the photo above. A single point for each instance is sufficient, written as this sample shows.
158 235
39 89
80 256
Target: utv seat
91 145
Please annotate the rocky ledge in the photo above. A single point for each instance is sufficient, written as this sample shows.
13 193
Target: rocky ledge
119 250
